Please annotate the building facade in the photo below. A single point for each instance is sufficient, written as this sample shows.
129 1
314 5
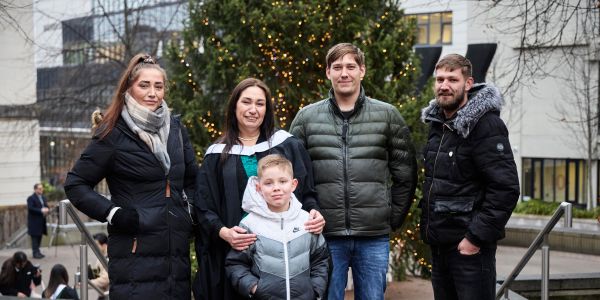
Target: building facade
19 149
83 48
550 90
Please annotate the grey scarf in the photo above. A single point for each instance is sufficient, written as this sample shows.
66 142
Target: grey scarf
151 126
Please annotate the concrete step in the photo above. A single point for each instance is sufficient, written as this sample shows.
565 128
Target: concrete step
572 284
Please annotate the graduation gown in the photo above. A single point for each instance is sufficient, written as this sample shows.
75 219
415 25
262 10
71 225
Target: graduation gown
218 203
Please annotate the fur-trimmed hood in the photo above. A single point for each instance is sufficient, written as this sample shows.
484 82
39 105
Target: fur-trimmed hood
483 97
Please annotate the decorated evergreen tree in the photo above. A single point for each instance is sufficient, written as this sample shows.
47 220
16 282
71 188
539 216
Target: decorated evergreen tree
284 43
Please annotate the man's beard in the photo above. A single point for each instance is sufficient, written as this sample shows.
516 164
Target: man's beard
453 104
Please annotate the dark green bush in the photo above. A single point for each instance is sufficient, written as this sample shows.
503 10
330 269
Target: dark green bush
539 207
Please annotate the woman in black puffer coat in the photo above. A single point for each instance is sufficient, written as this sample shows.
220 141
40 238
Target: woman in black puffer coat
148 161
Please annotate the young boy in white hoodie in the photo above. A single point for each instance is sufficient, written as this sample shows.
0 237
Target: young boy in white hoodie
285 262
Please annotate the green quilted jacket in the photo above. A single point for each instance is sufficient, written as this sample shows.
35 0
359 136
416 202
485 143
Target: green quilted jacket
364 166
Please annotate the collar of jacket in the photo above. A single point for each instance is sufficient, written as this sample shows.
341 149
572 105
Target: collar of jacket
483 98
357 106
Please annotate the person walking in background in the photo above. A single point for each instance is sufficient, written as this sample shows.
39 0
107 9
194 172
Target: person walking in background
101 280
37 210
471 184
249 135
365 173
58 285
284 254
148 161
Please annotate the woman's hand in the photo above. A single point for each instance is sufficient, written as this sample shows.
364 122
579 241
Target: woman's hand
237 237
315 222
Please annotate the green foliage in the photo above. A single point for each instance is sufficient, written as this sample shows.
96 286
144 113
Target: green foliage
283 43
539 207
53 193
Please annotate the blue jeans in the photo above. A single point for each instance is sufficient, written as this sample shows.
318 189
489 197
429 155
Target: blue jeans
466 277
368 257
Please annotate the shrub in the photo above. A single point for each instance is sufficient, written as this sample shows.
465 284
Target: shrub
539 207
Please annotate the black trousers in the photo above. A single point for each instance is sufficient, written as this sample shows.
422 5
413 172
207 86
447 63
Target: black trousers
463 277
35 244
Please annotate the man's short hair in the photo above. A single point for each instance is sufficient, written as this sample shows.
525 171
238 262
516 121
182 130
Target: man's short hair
275 160
338 51
456 61
35 186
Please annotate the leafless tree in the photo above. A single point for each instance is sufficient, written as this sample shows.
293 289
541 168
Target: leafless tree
8 11
545 28
95 50
579 113
567 30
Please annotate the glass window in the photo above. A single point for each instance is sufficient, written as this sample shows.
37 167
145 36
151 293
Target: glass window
434 28
582 183
548 177
560 179
537 179
527 179
572 181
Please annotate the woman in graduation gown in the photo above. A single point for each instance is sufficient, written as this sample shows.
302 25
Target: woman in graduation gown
250 134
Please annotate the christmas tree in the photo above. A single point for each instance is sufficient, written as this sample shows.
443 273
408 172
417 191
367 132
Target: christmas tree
284 43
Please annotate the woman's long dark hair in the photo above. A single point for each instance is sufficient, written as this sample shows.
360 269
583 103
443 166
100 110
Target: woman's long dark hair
136 64
8 275
232 131
58 276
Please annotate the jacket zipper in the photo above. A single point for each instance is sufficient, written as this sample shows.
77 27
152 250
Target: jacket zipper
287 263
432 180
345 162
168 195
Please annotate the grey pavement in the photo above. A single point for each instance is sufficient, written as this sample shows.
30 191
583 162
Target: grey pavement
67 255
507 258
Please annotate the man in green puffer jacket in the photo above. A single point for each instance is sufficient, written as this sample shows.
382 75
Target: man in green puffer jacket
364 170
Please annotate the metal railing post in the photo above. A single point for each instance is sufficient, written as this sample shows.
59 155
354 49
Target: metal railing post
568 219
86 241
539 241
62 212
83 281
545 268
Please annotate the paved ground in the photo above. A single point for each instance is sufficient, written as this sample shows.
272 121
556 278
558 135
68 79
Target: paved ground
413 288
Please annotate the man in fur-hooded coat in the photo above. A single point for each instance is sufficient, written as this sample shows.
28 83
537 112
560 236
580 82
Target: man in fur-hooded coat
471 184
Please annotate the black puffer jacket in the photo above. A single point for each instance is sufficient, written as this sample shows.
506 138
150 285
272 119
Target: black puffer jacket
364 166
158 267
471 183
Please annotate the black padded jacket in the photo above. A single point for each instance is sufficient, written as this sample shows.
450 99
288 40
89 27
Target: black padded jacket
155 262
471 183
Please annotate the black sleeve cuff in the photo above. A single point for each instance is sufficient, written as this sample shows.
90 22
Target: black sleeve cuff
473 239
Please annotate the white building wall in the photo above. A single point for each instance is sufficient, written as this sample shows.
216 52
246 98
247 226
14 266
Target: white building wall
533 113
19 138
19 160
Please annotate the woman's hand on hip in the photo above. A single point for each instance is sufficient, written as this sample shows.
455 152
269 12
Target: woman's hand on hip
237 237
315 222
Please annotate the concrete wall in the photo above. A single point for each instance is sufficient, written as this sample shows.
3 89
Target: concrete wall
19 146
19 160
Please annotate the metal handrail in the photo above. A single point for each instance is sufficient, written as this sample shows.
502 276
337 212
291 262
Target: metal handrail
65 207
541 240
21 233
